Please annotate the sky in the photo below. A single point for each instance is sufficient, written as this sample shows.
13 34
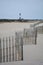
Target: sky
29 9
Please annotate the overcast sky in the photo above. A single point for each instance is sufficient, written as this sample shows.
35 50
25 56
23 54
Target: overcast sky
29 9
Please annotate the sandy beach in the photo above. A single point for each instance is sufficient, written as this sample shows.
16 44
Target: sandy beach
32 54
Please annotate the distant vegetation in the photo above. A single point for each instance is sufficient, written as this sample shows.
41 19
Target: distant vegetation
20 20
